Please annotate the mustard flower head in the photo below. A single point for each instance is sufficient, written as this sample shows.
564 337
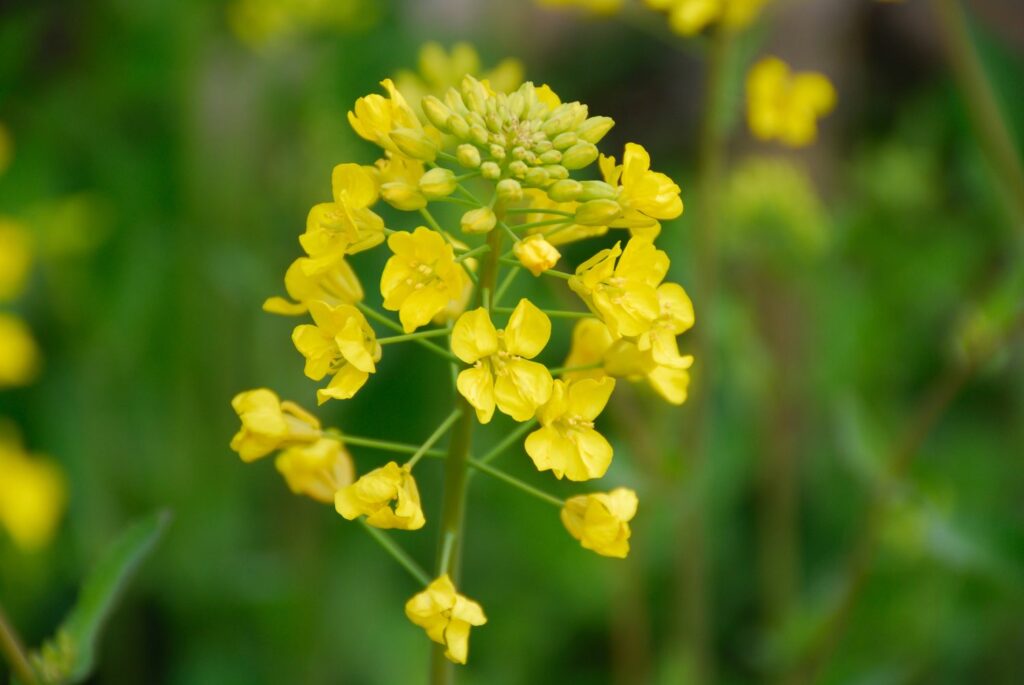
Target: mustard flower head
387 497
19 355
502 374
33 495
440 70
317 470
268 424
15 258
601 521
689 17
447 617
422 279
340 344
786 106
567 444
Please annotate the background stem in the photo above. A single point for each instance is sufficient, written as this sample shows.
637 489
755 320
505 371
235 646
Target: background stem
14 653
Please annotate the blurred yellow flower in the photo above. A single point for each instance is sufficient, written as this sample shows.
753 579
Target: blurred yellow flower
620 286
644 196
440 70
601 521
373 494
341 343
399 179
304 283
567 444
590 340
259 23
345 226
594 6
536 254
393 125
501 374
786 106
15 258
268 424
19 355
422 279
33 495
317 470
625 360
674 318
688 17
446 616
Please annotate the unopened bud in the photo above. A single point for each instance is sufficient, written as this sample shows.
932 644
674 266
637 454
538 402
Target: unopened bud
490 170
468 155
438 182
480 220
580 155
509 190
536 254
414 143
536 177
403 196
565 190
594 129
597 190
436 112
597 212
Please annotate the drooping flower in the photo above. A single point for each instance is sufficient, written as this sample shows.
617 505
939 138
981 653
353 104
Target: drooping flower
536 254
422 279
590 341
15 258
33 495
625 360
19 354
268 424
620 286
347 225
317 470
387 497
304 283
567 444
645 197
502 374
393 125
600 521
341 343
675 317
786 106
447 617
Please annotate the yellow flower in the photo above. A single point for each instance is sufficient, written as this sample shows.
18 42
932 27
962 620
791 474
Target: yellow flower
620 286
33 495
399 179
305 283
624 360
601 521
19 355
392 124
536 254
15 258
342 344
595 6
590 340
501 373
268 424
422 279
675 317
446 616
347 225
688 17
372 496
567 443
785 106
645 196
317 470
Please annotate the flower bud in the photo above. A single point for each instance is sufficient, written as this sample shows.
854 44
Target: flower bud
564 141
551 157
509 190
403 196
438 182
468 155
497 151
436 112
490 170
580 155
536 177
594 129
598 212
559 121
518 168
458 126
556 172
536 254
414 143
597 190
565 190
480 220
478 134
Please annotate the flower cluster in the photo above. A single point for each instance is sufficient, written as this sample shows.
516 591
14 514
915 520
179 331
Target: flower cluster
442 288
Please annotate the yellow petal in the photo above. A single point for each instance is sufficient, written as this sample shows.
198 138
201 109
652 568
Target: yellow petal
588 397
477 386
528 330
474 336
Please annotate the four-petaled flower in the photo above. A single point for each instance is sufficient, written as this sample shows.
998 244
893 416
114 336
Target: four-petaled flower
601 521
567 443
268 424
387 497
341 344
644 196
675 317
447 617
422 279
347 225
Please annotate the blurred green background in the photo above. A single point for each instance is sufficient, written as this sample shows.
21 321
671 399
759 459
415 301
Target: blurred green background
166 154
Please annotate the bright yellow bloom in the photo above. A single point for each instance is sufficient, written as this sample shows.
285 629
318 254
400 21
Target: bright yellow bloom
347 225
399 179
19 355
422 279
645 196
392 124
675 317
595 6
305 283
268 424
446 616
620 286
590 341
567 443
15 258
373 494
624 360
688 17
317 470
601 521
785 106
33 495
342 344
536 254
501 373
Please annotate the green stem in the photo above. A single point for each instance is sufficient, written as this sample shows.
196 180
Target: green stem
516 483
538 210
506 283
512 234
14 653
472 253
546 222
507 441
383 445
548 272
431 221
434 437
570 369
419 335
385 321
553 313
399 554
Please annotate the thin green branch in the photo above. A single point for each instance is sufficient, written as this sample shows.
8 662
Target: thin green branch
399 554
506 283
14 653
547 272
516 483
553 313
539 210
570 369
473 253
419 335
383 320
434 437
507 441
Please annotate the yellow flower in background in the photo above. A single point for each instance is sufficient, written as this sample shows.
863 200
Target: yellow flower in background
502 374
620 286
422 279
347 225
268 424
304 283
15 257
33 496
675 317
393 125
19 355
567 444
341 343
595 6
447 617
786 106
644 196
625 360
601 521
387 497
6 148
317 470
689 17
399 179
536 254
